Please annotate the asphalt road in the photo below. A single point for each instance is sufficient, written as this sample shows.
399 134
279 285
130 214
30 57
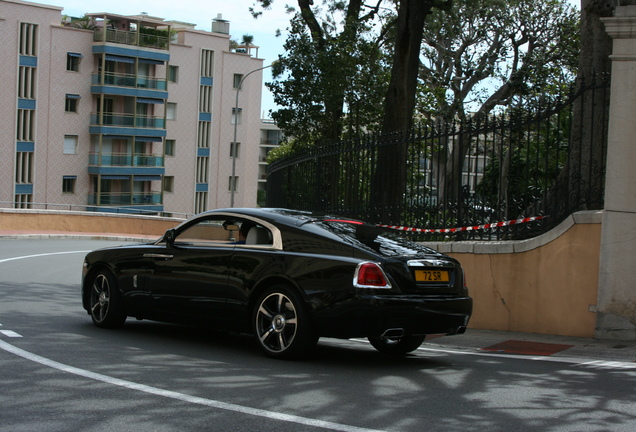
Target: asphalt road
60 373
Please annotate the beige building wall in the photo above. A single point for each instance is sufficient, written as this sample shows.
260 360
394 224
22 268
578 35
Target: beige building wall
52 123
12 13
247 130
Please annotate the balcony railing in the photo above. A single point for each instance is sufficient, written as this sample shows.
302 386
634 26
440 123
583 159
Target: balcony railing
125 198
131 38
129 80
125 159
128 120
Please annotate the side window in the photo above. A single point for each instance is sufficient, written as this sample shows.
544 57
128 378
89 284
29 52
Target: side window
220 231
253 234
206 233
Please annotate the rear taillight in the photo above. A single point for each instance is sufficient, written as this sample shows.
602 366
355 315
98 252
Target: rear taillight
370 275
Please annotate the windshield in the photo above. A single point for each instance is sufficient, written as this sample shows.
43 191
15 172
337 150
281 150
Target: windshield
383 241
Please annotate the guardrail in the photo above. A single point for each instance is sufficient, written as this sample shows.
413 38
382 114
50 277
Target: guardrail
106 210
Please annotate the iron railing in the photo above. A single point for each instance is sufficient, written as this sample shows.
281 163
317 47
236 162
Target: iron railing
504 167
53 207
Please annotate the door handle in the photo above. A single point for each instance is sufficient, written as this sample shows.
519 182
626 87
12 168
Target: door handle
161 256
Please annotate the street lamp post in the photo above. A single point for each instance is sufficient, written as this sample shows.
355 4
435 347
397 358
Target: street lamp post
235 114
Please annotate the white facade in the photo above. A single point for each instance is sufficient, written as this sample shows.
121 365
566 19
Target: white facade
133 113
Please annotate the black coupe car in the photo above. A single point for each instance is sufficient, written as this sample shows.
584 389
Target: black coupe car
289 277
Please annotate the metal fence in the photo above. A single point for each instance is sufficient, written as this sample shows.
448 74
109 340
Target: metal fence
505 167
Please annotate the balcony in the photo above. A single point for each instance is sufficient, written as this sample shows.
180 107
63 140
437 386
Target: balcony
128 80
128 120
125 198
134 38
125 159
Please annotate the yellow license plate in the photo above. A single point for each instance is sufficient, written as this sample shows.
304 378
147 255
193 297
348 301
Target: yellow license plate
431 276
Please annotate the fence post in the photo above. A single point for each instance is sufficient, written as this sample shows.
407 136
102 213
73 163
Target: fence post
616 306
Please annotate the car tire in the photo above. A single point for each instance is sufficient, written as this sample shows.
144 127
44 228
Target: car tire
281 324
106 307
397 346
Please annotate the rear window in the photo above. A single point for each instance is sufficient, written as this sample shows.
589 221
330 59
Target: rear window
383 241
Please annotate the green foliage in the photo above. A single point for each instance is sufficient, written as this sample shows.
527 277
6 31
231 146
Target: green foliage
528 169
287 149
331 80
483 54
85 22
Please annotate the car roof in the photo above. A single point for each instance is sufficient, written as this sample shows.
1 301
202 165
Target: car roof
285 216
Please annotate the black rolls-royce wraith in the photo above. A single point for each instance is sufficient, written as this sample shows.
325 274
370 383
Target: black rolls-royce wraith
289 277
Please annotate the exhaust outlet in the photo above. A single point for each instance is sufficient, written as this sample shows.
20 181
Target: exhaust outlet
394 333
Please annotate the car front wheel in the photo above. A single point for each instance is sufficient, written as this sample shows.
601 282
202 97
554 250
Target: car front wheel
397 346
106 307
282 327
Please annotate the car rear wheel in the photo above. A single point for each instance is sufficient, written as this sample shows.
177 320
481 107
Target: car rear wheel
106 307
397 346
282 326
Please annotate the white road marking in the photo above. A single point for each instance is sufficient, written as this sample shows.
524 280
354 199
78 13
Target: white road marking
180 396
41 255
549 359
10 333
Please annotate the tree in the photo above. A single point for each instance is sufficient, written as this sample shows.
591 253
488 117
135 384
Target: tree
583 171
520 53
247 41
507 49
390 175
330 72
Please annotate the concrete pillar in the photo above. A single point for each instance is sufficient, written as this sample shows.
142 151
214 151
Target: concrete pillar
616 307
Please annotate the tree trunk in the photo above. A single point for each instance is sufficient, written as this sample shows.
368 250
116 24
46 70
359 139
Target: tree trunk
389 181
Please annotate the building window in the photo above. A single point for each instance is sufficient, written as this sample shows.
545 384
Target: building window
237 81
203 137
168 149
238 150
68 184
72 100
234 183
24 168
202 169
171 111
26 82
28 39
207 63
200 202
173 73
73 61
23 201
25 125
205 99
168 183
70 144
236 115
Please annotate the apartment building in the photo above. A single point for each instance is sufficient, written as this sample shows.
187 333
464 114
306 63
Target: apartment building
125 113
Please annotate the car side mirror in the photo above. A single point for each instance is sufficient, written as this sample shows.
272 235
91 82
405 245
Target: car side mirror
169 237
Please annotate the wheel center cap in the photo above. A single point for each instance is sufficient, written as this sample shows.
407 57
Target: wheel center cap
278 323
102 299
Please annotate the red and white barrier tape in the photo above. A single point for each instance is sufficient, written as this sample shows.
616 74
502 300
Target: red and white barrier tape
468 228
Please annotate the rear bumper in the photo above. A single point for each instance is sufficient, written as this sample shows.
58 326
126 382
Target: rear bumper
373 315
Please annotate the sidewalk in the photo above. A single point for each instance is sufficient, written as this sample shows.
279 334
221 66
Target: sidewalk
532 344
482 341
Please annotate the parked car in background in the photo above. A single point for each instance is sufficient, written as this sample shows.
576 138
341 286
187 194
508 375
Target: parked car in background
289 277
